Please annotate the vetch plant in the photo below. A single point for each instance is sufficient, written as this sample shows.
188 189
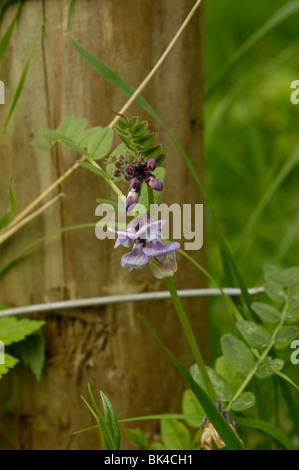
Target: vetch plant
222 395
136 160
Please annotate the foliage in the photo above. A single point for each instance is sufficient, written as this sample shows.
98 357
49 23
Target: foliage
107 424
23 338
253 345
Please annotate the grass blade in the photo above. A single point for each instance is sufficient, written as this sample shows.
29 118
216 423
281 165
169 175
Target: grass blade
290 164
280 15
21 82
267 428
4 41
190 337
224 430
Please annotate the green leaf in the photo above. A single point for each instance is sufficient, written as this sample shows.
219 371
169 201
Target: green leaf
14 330
75 128
232 377
40 145
123 125
285 336
175 435
275 292
66 123
237 355
106 436
255 335
274 275
97 171
160 159
292 314
191 406
153 152
284 376
140 129
100 144
264 372
220 385
243 402
70 132
156 446
220 424
266 312
138 437
146 141
133 123
31 351
10 362
48 134
110 420
71 144
291 275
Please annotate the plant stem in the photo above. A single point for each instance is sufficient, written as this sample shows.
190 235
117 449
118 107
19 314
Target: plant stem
190 337
261 358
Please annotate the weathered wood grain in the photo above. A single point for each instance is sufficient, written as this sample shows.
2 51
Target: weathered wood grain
107 348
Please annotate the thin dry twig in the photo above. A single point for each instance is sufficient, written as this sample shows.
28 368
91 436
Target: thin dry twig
28 219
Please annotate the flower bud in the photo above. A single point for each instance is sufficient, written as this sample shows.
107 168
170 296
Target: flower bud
129 169
135 184
153 183
151 164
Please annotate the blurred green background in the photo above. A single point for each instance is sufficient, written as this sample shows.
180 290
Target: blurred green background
251 135
252 155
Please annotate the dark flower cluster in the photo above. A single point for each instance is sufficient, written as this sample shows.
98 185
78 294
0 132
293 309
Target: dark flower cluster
136 171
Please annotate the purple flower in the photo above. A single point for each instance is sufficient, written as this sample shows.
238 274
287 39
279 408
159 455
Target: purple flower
159 249
160 256
141 227
151 230
136 258
125 237
132 199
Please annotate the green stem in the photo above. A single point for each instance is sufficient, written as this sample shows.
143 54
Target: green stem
190 338
112 185
261 358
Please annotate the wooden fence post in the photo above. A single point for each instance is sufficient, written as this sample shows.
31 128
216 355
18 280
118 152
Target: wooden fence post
106 347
